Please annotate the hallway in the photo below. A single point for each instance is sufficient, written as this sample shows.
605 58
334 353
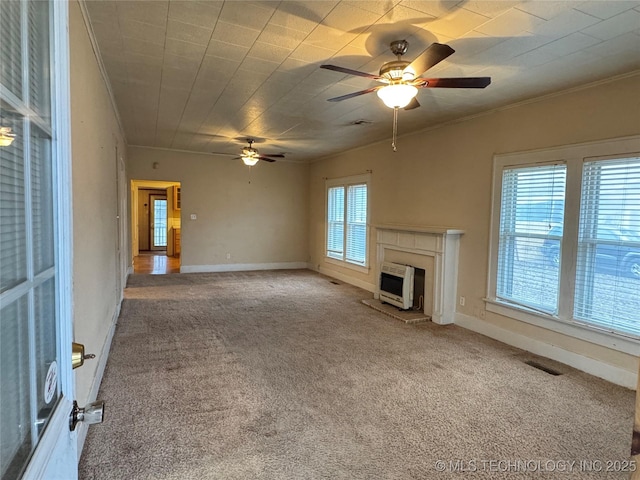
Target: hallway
155 263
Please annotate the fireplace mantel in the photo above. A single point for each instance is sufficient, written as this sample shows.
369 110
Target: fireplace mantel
439 243
420 229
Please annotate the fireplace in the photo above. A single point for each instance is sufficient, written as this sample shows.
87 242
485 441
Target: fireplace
434 249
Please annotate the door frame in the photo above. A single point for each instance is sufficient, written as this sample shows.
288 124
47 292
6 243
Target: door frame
123 266
152 222
135 187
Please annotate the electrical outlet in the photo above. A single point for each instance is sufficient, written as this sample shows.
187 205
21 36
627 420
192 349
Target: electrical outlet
228 256
193 216
462 301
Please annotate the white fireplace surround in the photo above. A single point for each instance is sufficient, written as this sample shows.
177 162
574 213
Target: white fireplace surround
431 248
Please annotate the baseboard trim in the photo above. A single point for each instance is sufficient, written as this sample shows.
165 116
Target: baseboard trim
82 428
608 372
370 287
242 267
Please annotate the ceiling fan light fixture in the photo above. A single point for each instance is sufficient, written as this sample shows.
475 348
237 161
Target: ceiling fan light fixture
398 95
6 137
250 160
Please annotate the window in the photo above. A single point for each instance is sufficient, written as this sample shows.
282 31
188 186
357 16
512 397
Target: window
565 247
347 220
608 264
532 205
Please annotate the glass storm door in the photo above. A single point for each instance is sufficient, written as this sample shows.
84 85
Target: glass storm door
36 383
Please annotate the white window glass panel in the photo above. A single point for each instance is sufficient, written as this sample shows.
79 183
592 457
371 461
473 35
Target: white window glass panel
11 46
531 220
41 205
335 222
160 223
15 414
13 236
45 349
608 261
357 224
39 82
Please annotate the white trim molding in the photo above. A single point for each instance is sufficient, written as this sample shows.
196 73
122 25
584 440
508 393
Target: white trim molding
83 428
585 332
611 373
242 267
346 279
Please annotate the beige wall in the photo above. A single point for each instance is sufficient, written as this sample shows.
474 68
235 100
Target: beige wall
442 177
258 216
95 136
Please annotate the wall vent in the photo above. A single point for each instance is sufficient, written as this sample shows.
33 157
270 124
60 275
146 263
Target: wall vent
539 366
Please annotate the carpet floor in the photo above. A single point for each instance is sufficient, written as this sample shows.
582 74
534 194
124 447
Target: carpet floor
287 375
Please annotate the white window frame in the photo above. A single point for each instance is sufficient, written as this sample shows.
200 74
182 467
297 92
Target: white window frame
563 322
346 182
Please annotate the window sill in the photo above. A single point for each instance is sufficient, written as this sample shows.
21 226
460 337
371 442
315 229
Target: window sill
573 329
350 266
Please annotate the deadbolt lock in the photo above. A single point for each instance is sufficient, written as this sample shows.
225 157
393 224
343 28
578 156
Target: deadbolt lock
78 356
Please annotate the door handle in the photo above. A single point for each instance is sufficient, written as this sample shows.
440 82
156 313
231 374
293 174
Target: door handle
91 414
78 356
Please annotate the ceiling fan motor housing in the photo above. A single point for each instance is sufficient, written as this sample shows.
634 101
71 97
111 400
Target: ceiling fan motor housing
399 47
249 152
395 70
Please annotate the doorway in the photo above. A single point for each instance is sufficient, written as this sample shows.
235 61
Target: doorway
157 222
155 213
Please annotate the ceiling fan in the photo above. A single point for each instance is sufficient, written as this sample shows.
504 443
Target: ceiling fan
250 155
402 79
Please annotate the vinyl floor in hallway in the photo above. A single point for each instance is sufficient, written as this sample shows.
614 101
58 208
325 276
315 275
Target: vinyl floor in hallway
155 263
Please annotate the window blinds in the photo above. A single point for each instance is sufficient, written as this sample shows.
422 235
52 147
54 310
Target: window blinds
11 42
531 220
608 260
41 205
335 222
357 224
13 232
347 223
39 79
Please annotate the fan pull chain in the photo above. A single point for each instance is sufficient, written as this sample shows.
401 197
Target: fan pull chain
395 128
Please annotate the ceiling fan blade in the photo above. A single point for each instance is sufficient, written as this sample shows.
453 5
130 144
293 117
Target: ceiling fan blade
348 71
414 103
274 155
434 54
265 159
464 82
354 94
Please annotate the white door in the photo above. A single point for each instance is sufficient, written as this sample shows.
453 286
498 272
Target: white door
36 381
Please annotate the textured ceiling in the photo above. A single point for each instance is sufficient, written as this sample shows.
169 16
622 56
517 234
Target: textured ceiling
202 76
